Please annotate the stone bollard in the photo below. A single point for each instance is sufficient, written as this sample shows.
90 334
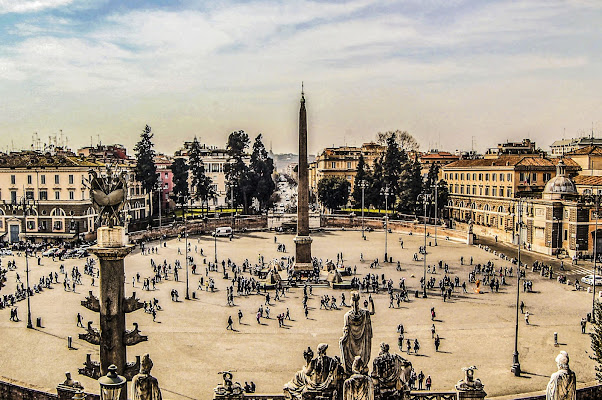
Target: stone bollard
556 339
39 322
69 342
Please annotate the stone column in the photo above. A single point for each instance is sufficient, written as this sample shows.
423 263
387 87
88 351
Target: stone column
111 250
303 240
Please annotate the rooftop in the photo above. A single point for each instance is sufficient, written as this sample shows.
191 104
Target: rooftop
33 159
512 161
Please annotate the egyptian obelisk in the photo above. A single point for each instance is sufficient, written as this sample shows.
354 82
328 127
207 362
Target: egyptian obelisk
303 240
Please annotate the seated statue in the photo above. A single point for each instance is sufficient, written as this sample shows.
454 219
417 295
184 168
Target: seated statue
469 382
228 389
144 385
391 373
359 386
563 383
319 376
71 382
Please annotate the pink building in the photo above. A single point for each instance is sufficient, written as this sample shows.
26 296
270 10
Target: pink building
163 164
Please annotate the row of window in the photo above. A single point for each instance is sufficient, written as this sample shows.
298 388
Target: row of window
333 164
42 195
57 179
528 177
481 190
479 176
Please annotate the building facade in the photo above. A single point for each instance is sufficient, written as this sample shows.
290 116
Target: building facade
522 199
342 162
45 197
565 146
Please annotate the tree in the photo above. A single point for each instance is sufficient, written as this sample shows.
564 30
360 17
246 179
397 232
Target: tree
404 139
146 170
596 339
375 184
433 175
333 192
393 165
411 189
237 172
262 168
361 176
442 198
201 184
179 169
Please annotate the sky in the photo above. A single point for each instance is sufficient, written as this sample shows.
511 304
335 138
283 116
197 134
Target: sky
456 74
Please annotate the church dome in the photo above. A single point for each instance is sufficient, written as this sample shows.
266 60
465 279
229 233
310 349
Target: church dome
560 185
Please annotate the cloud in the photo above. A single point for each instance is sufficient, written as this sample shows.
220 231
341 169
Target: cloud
222 65
28 6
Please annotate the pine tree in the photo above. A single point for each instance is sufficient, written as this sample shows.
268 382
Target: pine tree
596 339
262 168
412 178
362 175
179 169
372 194
393 167
201 183
238 176
146 170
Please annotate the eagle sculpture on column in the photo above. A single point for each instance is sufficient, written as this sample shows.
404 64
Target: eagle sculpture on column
108 194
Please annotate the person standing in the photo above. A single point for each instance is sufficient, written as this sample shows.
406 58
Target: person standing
437 343
420 380
429 381
239 316
583 324
527 317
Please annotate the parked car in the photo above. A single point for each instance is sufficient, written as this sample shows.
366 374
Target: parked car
50 252
222 231
589 280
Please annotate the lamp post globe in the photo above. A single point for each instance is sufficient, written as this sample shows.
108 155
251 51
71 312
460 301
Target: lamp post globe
111 384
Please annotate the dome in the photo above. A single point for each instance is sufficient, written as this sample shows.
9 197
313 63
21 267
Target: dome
560 185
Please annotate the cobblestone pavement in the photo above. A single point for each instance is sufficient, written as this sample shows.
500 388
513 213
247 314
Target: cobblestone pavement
189 343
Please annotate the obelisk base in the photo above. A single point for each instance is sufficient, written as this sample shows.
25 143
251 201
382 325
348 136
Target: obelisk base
303 262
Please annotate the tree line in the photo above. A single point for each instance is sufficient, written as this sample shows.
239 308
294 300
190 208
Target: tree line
393 172
250 183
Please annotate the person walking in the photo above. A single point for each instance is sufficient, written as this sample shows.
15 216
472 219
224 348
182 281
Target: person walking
583 324
437 343
79 321
433 331
229 323
527 317
416 346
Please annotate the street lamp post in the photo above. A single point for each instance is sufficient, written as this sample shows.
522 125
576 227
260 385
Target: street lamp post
215 245
515 362
363 185
385 192
26 206
436 185
558 228
186 244
425 199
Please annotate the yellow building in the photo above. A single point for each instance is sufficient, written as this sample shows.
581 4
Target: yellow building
58 201
342 162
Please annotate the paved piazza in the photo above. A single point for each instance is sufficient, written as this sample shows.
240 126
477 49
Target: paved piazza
189 343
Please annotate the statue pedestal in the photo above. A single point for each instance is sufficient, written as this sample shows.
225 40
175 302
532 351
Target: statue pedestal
471 394
111 250
111 237
470 238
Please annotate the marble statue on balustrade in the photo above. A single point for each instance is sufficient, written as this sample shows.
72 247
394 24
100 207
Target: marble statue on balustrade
359 386
391 374
469 383
144 385
320 376
357 334
563 383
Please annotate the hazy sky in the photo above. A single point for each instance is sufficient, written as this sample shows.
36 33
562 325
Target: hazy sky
445 70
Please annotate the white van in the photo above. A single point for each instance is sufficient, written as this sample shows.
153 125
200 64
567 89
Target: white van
222 231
